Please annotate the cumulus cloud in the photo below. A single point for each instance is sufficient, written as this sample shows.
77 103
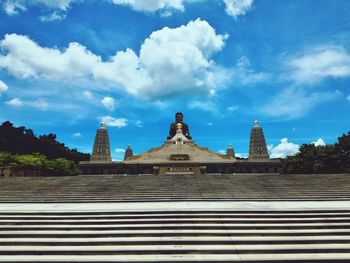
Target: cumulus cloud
242 155
109 103
114 122
41 104
319 142
138 123
171 62
295 103
12 7
236 8
77 135
119 150
54 16
3 86
243 73
152 6
284 149
87 94
320 63
232 108
208 106
24 58
15 102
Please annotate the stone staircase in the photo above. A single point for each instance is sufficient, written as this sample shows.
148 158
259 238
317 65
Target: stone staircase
175 188
211 218
182 236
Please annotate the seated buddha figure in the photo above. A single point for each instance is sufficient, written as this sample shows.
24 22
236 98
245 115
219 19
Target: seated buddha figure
179 124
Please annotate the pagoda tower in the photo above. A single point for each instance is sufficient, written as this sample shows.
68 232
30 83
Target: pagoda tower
230 152
128 153
102 150
257 144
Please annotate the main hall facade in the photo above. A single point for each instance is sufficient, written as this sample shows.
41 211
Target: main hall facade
180 155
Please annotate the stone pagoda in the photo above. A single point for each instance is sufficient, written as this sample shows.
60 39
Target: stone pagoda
102 150
257 144
230 153
128 153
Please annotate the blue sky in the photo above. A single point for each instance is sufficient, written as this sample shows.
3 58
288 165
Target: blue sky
65 65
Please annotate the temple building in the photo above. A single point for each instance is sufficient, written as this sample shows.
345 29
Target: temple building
181 155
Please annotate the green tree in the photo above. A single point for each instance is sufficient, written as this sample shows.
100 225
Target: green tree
7 162
342 148
333 158
33 163
20 140
61 167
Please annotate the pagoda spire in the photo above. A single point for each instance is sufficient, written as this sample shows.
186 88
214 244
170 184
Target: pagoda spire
257 144
230 152
128 153
102 150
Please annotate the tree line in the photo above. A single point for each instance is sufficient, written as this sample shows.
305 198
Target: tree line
332 158
24 153
20 140
35 165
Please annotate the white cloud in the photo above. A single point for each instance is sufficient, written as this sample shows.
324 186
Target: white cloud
322 62
13 7
295 103
241 155
348 97
24 58
243 74
153 5
319 142
222 151
87 94
77 135
109 103
236 8
41 104
232 108
119 150
54 16
16 102
3 86
172 61
138 123
284 149
114 122
203 105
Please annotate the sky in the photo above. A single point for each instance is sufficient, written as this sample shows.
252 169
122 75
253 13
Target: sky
67 65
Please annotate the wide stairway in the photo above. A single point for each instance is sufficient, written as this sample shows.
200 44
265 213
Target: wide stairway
175 188
183 236
212 218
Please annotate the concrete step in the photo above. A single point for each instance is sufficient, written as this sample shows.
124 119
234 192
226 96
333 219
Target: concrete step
256 258
170 236
146 188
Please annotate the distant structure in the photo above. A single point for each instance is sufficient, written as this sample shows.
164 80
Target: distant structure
230 153
128 153
180 155
257 144
102 150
